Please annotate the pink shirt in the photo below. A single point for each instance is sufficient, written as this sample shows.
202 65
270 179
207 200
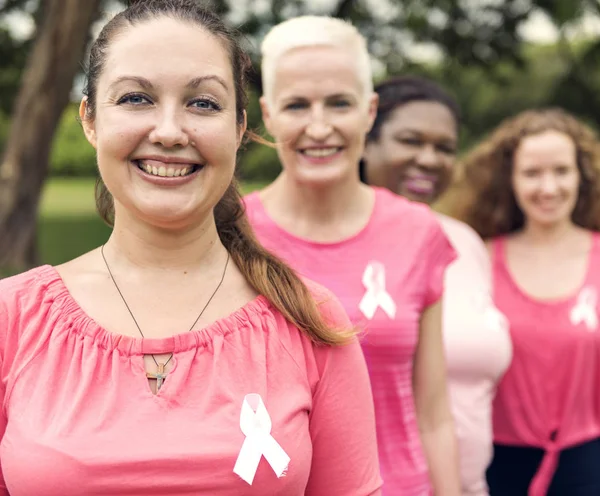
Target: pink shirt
478 351
397 260
78 416
549 397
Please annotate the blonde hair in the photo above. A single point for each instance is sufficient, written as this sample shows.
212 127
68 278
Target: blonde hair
312 31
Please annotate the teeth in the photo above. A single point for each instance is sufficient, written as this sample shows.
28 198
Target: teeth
320 152
163 171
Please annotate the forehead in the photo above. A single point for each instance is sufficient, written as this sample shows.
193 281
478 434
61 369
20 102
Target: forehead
548 147
423 117
169 49
313 72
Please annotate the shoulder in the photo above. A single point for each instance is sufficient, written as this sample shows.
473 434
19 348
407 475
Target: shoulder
252 202
400 218
330 307
463 237
394 205
28 285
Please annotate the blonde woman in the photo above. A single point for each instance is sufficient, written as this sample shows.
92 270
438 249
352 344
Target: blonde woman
382 255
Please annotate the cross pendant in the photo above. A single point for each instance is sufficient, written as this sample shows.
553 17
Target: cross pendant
160 375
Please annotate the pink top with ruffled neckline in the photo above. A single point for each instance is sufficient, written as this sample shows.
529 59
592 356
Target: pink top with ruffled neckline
78 416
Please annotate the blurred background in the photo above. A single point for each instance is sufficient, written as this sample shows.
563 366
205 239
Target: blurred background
498 57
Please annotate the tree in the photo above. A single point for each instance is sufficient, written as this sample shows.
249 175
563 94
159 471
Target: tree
59 44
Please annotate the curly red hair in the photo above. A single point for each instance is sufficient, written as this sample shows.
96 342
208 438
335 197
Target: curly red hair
488 203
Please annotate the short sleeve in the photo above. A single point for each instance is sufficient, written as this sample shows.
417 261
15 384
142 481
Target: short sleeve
5 329
342 420
439 253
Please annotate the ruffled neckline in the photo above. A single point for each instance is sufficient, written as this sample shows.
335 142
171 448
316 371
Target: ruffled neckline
56 294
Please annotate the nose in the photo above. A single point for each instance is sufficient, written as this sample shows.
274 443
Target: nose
318 128
549 184
168 130
427 157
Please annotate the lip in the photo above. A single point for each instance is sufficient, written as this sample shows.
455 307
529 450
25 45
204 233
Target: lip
419 187
319 147
167 181
168 159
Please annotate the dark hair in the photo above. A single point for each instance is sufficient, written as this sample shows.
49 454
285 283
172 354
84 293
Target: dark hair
488 203
264 272
399 91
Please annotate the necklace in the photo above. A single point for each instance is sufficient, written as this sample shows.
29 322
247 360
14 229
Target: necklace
160 374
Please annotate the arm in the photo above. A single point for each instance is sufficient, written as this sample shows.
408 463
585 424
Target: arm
342 421
432 405
5 325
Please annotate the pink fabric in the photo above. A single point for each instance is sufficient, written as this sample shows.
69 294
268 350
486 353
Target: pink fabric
549 397
407 239
478 352
78 416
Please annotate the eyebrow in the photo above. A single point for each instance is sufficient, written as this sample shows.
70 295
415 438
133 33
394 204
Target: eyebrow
194 83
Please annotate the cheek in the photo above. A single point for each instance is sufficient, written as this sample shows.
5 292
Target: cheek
522 189
287 129
119 137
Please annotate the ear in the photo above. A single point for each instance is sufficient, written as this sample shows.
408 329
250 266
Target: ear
89 124
242 129
266 115
373 102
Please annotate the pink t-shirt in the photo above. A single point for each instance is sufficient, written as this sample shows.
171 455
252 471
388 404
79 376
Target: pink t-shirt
78 416
549 397
478 352
385 276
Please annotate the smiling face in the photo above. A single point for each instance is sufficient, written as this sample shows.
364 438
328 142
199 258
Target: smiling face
165 125
546 178
415 151
319 115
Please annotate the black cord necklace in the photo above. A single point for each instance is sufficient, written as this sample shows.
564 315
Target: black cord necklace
160 374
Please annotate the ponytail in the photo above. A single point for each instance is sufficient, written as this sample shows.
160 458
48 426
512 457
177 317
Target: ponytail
268 275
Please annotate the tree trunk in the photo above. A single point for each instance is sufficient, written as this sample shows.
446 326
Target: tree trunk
45 88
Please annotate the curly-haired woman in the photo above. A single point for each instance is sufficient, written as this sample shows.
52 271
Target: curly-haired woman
535 186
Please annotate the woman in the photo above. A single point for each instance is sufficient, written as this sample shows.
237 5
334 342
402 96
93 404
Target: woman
411 151
536 191
105 391
319 105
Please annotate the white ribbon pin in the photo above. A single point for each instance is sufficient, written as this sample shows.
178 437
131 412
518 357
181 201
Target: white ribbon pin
585 309
255 423
376 295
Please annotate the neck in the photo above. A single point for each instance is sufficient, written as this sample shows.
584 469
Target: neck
294 202
134 244
548 235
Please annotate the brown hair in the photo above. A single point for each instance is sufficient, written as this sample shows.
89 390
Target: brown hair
488 204
267 274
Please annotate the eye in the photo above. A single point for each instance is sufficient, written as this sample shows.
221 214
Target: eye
530 172
340 103
446 149
410 141
206 104
133 99
563 170
295 106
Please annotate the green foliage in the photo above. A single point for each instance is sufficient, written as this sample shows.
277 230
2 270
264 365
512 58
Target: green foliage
71 155
259 163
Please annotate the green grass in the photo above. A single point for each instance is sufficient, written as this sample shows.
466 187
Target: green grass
69 225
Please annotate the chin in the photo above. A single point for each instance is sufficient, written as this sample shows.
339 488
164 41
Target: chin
321 179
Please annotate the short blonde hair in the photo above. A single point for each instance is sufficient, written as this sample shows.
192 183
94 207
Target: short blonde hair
311 31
